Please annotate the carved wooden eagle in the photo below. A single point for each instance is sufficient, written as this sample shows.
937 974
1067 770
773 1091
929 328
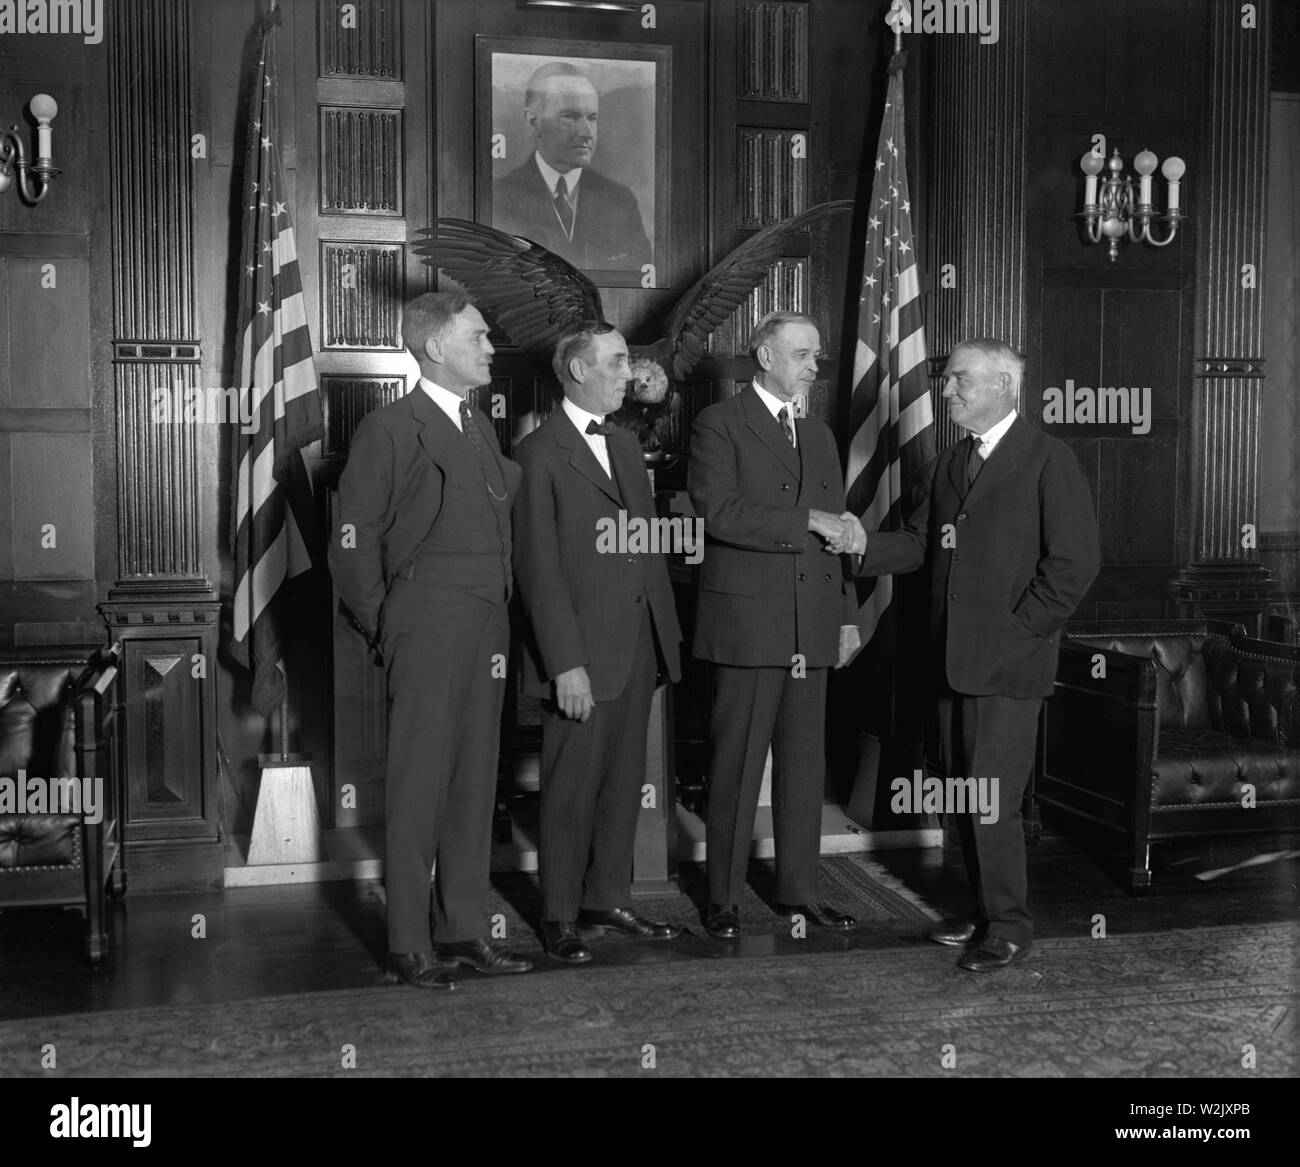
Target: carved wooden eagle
533 295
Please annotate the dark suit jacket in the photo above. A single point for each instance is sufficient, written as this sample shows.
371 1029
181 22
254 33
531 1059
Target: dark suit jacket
767 589
392 491
1008 563
607 230
581 603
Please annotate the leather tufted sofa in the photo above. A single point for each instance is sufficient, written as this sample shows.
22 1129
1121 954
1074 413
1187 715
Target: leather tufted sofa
1171 730
57 721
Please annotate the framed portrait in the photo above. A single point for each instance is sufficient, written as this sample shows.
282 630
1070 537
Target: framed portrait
574 152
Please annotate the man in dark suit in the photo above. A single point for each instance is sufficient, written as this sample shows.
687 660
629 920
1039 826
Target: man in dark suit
422 559
1007 531
555 198
773 614
602 627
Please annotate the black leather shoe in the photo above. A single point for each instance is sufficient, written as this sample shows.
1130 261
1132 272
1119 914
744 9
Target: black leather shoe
625 920
954 933
561 940
723 921
823 915
484 956
992 954
420 970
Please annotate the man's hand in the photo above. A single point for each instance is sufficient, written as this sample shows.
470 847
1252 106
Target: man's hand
850 644
828 526
855 540
573 694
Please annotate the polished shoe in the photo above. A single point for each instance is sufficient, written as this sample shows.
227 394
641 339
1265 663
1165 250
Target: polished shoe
954 933
483 956
625 920
420 970
723 921
561 940
993 953
823 915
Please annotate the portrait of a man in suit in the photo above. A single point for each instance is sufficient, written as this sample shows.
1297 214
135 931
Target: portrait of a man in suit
561 194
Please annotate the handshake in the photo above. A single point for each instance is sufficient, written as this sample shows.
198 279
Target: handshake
843 534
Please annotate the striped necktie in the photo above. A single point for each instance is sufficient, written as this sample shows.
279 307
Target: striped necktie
492 478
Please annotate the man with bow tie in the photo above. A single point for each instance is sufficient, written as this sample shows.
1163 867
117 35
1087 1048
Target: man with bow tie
602 628
1007 533
773 614
422 559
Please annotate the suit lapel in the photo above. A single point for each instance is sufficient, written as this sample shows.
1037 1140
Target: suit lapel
768 430
580 455
629 471
1004 459
435 427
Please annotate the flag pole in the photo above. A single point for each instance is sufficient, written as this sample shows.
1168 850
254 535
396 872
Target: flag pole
899 18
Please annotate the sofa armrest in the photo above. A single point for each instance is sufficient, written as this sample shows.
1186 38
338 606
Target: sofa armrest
1101 733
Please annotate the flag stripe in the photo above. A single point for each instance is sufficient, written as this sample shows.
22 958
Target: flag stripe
891 422
272 509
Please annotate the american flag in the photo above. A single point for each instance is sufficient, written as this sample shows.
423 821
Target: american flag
271 524
890 416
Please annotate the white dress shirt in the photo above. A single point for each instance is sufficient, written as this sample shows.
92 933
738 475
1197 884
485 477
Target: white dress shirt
551 176
445 400
989 439
580 418
775 405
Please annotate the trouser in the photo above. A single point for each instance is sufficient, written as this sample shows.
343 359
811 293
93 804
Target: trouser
994 737
752 708
592 773
445 652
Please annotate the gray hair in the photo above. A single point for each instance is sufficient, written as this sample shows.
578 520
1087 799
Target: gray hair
772 323
430 315
576 341
999 353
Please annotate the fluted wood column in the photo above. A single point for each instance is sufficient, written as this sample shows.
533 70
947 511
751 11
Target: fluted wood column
1223 575
977 194
163 606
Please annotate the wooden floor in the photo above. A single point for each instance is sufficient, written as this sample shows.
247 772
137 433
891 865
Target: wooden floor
269 941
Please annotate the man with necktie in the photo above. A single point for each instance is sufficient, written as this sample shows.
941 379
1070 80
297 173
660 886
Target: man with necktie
423 560
1007 532
773 614
556 198
602 627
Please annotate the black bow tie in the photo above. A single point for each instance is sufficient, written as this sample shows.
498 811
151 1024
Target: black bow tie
600 427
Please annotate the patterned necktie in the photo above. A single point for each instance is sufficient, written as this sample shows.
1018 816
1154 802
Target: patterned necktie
562 207
786 424
603 428
492 478
974 461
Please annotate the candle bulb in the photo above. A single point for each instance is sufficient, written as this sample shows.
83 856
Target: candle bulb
1144 163
1090 164
44 108
1173 170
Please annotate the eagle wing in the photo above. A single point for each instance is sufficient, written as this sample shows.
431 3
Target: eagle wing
530 293
713 298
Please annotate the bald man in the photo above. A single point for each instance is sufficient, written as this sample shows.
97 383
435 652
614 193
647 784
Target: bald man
556 198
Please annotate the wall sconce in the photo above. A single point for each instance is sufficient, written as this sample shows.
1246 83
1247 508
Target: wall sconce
1116 215
12 154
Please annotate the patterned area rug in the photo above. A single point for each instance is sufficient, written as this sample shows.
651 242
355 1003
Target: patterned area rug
853 883
1163 1004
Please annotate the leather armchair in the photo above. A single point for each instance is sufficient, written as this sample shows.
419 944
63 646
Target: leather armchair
1168 730
57 721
